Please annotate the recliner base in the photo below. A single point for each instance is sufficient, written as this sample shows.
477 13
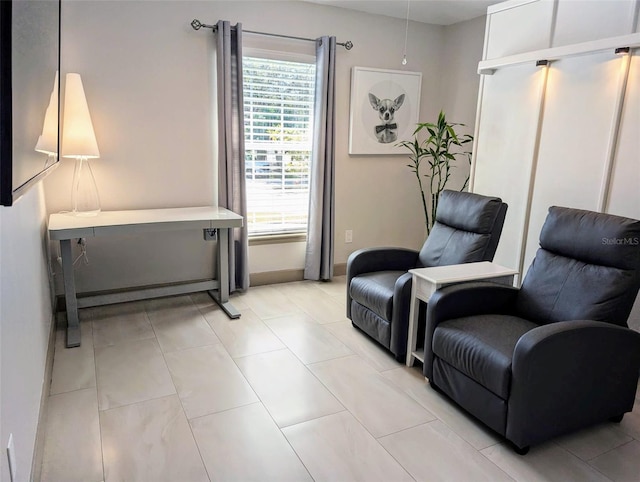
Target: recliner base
470 395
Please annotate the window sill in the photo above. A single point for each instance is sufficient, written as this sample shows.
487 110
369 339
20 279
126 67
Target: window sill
277 239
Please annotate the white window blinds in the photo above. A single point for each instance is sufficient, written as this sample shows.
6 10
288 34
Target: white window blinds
278 117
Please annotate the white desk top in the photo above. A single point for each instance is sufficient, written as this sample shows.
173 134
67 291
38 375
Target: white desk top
70 226
462 272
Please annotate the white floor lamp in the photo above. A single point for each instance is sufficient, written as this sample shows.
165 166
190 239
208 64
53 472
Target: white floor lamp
79 142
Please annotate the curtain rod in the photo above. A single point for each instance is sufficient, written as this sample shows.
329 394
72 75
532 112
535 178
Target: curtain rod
197 25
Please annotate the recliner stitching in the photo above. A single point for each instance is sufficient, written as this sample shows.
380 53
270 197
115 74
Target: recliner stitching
444 249
555 301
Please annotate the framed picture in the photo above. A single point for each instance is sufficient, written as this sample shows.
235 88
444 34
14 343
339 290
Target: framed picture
384 110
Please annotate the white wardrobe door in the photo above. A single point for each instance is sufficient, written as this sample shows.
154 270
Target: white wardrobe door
580 101
584 20
505 148
624 190
519 29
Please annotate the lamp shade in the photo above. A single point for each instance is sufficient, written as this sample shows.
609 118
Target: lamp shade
78 138
48 141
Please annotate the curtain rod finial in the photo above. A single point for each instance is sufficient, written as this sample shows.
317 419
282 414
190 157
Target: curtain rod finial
196 24
348 45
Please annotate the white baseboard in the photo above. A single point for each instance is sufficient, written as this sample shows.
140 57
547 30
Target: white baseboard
288 275
38 450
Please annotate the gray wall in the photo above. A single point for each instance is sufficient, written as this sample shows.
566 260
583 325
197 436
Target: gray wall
460 80
147 77
25 324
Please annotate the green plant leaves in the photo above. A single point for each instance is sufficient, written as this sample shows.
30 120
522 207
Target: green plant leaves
437 149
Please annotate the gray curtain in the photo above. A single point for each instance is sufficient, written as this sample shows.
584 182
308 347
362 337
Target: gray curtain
320 231
232 192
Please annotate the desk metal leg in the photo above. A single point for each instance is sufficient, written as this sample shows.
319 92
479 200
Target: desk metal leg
223 275
73 322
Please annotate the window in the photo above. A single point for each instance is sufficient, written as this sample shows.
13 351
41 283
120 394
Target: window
278 118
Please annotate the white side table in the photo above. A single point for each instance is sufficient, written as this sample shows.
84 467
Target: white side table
427 280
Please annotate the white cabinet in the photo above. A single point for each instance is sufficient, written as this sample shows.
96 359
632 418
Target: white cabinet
507 141
518 26
578 111
567 134
583 20
624 188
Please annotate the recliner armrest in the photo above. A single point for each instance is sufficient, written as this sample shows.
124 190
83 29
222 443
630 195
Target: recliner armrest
465 299
380 259
369 260
400 315
468 299
569 374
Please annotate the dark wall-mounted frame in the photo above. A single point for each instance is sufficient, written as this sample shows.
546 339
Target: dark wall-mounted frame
26 28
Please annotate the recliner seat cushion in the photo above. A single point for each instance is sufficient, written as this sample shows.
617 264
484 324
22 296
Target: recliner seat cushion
375 291
481 347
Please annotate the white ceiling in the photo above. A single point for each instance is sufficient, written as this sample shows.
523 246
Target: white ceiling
440 12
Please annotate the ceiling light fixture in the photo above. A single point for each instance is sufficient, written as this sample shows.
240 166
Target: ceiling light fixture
406 35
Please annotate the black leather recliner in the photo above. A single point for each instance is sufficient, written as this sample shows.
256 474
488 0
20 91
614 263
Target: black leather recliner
555 355
467 229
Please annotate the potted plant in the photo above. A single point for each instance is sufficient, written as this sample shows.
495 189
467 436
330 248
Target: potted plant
440 146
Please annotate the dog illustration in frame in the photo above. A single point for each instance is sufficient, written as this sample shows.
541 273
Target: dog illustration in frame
386 132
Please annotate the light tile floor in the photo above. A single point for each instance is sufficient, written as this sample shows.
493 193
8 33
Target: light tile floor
172 390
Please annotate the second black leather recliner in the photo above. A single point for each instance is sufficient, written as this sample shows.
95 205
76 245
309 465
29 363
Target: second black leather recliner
555 355
467 229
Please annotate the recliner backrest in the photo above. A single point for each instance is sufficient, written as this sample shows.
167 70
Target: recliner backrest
467 229
587 268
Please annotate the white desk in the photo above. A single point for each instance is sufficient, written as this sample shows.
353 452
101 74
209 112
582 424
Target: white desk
427 280
64 227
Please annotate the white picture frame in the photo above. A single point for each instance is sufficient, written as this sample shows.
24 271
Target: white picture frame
378 130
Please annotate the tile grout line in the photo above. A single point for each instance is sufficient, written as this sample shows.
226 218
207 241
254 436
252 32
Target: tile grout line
204 415
280 429
554 443
261 402
177 394
95 368
487 458
358 421
461 414
608 451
